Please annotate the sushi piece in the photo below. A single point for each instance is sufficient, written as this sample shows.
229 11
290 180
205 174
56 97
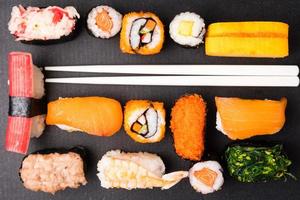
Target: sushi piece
187 29
104 22
145 121
247 39
52 170
206 177
98 116
245 118
135 171
42 25
142 33
249 163
26 114
188 118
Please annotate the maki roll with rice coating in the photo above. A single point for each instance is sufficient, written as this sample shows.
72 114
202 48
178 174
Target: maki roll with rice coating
104 22
187 29
142 33
145 121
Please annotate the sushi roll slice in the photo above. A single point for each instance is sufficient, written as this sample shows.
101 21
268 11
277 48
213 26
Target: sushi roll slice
145 121
43 25
98 116
140 170
206 177
188 119
187 29
26 114
104 22
52 170
142 33
245 118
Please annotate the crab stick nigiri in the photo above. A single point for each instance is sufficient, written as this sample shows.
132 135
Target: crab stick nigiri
244 118
98 116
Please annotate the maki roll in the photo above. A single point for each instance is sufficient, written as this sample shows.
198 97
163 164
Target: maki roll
98 116
206 177
145 121
142 33
26 109
104 22
187 29
52 170
140 170
38 25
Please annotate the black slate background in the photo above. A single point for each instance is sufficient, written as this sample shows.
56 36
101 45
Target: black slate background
88 50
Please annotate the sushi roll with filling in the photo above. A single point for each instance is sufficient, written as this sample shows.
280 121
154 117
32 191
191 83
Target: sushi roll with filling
52 170
42 25
145 121
104 22
142 33
187 29
206 177
26 109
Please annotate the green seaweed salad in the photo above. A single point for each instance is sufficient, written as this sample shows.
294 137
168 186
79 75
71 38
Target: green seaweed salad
253 164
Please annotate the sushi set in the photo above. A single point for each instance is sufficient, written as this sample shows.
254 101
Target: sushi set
148 121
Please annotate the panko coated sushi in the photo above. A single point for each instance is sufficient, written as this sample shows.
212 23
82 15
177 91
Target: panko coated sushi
135 171
145 121
188 118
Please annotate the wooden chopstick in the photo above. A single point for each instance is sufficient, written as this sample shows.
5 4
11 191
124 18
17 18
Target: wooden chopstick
220 70
253 81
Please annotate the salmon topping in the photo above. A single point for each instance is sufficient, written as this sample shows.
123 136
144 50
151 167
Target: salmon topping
206 176
104 21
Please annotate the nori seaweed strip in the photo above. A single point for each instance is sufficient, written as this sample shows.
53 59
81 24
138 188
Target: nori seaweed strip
26 107
80 150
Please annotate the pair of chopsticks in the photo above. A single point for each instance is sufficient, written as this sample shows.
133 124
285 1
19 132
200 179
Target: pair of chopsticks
184 75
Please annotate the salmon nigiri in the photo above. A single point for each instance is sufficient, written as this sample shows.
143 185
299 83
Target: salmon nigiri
245 118
98 116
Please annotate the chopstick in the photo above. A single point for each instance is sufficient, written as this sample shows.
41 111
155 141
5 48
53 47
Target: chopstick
220 70
253 81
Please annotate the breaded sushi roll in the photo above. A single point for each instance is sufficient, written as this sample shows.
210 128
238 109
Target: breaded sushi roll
142 33
104 22
26 116
188 119
187 29
98 116
144 121
41 25
206 177
51 170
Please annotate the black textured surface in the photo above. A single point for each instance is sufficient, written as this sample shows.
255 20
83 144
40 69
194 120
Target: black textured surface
88 50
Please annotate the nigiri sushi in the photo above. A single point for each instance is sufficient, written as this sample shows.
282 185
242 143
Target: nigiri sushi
135 171
245 118
26 116
145 120
51 170
42 25
188 118
206 177
98 116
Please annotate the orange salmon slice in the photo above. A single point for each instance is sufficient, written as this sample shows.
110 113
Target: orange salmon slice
104 21
206 176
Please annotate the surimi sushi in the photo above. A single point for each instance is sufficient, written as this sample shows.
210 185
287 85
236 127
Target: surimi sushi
42 25
140 170
145 120
98 116
52 170
104 21
188 119
26 113
206 177
142 33
245 118
187 29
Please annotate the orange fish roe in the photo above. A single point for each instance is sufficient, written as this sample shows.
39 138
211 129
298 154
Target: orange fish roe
206 176
188 124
